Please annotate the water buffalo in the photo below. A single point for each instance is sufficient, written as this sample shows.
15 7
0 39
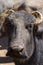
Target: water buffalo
21 30
23 44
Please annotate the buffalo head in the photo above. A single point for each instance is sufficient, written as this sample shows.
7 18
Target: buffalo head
20 27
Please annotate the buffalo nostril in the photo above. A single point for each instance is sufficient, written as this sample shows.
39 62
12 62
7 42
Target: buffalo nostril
21 50
18 48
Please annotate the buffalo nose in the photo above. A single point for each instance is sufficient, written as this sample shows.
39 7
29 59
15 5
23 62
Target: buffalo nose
18 48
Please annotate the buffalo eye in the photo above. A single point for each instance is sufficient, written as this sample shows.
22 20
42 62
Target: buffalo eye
28 27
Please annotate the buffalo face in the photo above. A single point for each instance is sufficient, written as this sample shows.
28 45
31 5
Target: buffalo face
20 26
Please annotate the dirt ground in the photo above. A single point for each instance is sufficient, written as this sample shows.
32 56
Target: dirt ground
3 50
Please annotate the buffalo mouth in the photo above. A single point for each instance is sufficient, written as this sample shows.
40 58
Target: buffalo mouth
15 54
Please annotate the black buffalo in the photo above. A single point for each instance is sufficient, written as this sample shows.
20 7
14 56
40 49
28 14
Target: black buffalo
23 44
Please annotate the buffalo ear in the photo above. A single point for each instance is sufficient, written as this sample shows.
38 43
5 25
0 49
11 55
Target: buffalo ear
38 17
